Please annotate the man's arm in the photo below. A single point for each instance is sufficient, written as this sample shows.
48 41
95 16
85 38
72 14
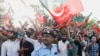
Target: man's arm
98 50
27 47
87 49
97 54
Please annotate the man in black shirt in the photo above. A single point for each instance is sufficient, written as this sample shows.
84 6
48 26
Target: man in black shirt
25 48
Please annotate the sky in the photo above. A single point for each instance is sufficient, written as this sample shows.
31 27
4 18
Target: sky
91 6
88 5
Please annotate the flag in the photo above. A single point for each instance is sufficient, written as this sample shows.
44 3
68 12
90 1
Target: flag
62 14
90 23
6 19
75 6
65 11
41 17
81 20
96 27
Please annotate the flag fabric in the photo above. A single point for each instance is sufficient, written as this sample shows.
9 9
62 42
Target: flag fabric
65 11
79 24
64 14
96 27
6 19
75 6
90 23
81 20
41 17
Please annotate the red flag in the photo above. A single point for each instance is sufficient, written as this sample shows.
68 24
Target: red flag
64 14
59 16
96 28
41 18
75 6
65 11
69 9
6 19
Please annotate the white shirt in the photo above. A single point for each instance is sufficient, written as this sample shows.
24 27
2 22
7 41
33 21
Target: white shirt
63 48
35 43
10 48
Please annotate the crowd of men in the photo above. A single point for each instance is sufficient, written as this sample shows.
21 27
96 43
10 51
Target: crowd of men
49 42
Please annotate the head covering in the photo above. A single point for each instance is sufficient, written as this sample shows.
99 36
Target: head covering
49 33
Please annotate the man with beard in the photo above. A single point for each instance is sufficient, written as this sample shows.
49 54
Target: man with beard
3 37
48 48
62 45
92 48
78 45
11 46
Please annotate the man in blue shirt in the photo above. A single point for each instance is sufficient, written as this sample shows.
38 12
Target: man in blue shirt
48 48
92 48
